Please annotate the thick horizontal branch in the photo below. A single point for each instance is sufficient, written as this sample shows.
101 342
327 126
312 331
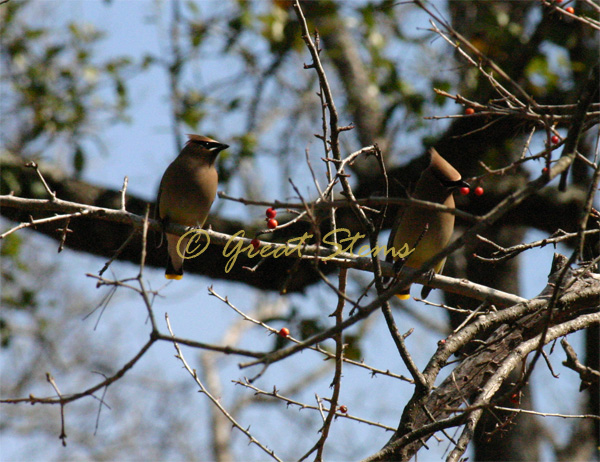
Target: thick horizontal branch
227 242
104 237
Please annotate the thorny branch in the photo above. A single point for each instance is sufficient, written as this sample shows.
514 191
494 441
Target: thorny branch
214 400
586 374
292 402
337 378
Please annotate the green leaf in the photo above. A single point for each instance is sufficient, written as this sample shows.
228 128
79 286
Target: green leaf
9 182
197 33
248 143
191 116
444 85
352 350
32 34
11 245
309 327
5 333
78 160
147 61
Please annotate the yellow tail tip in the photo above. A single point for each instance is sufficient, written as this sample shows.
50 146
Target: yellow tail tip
403 296
177 277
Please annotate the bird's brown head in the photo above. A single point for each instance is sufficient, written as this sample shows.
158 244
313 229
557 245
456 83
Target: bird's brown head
447 175
205 145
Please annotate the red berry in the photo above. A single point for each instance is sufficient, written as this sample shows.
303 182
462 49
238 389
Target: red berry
469 111
343 409
464 190
555 139
255 243
559 1
272 223
514 398
570 9
478 191
271 212
284 332
545 170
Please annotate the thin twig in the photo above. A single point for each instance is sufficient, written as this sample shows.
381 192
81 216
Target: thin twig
214 400
548 414
337 378
117 252
63 434
43 221
291 402
90 391
34 166
366 202
124 192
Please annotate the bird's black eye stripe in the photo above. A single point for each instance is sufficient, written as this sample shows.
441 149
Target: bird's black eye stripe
209 144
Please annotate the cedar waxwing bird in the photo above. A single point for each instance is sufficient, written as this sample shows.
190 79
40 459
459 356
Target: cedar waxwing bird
186 193
427 231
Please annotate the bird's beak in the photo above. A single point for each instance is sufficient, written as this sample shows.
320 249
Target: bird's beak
222 147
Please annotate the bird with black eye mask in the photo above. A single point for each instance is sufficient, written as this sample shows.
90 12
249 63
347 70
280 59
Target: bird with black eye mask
186 193
424 230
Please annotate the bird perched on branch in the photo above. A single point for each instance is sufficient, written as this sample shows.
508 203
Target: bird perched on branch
427 231
186 193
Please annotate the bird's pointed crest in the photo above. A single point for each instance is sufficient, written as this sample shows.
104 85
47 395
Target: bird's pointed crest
199 138
441 168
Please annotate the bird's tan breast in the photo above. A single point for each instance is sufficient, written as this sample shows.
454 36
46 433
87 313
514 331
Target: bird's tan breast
412 227
187 193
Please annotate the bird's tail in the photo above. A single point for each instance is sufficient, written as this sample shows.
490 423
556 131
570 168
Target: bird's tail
175 261
404 294
171 272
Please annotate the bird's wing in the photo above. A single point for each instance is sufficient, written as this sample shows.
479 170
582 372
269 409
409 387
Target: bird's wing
157 217
389 257
393 230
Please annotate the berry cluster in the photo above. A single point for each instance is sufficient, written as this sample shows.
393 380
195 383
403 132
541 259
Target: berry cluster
478 191
271 221
568 9
271 213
